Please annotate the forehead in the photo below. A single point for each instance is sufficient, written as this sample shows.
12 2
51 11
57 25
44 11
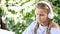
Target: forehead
41 10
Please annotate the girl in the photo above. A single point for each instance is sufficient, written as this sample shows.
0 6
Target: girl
43 23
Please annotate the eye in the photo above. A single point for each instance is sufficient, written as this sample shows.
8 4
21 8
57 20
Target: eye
41 14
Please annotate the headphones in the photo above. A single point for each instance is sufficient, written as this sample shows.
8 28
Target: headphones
51 13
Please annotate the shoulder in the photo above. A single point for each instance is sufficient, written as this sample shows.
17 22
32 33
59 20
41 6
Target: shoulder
29 29
54 25
31 26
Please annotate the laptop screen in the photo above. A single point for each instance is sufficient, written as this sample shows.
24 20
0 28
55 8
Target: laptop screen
6 32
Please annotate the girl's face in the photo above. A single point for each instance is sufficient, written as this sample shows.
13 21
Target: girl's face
41 15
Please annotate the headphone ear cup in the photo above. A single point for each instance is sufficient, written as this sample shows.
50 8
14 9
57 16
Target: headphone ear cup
51 15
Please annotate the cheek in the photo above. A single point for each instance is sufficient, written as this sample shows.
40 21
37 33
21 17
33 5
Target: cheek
44 17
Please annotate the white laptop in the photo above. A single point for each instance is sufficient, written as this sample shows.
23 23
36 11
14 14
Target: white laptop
6 32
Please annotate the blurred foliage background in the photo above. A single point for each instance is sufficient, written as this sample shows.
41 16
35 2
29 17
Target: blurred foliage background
18 14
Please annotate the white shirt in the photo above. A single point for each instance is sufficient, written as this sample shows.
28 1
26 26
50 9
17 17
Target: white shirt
40 30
